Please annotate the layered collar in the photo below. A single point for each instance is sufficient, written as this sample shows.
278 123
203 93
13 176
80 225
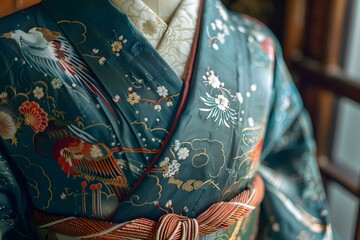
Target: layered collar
173 41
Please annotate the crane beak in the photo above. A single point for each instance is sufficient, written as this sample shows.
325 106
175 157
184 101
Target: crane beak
6 35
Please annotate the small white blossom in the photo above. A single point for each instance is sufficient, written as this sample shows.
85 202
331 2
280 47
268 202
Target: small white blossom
169 103
183 153
56 83
157 107
95 50
38 92
116 98
162 91
168 204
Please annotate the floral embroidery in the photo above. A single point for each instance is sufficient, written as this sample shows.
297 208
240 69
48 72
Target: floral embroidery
116 98
221 30
169 169
7 126
157 107
34 116
117 45
183 153
56 83
133 98
136 97
162 91
221 103
38 92
149 27
116 48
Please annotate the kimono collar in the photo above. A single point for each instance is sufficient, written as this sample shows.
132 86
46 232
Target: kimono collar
173 41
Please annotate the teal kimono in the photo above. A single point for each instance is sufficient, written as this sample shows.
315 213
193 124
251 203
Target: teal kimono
95 125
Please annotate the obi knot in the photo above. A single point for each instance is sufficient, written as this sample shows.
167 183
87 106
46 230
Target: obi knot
173 226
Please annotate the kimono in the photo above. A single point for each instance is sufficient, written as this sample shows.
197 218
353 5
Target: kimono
110 130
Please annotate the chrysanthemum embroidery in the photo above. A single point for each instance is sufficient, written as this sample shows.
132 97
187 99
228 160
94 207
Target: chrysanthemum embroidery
220 104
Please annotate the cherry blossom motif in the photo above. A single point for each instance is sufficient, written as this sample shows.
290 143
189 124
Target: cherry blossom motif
34 116
7 126
169 168
95 51
133 98
223 13
213 80
63 196
169 103
102 60
117 98
183 153
162 91
56 83
117 45
38 92
157 107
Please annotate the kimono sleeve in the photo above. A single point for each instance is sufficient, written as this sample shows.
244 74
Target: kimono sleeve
295 205
13 204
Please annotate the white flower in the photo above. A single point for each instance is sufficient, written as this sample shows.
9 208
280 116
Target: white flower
177 145
219 24
183 153
239 97
95 50
222 102
215 46
169 169
185 209
222 12
38 92
95 151
116 98
157 107
7 126
170 103
221 37
63 196
162 91
102 60
214 80
168 204
56 83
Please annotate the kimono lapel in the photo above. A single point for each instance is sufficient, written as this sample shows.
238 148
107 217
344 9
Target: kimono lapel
174 41
146 20
175 46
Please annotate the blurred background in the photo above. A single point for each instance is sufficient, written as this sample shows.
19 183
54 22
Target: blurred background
321 44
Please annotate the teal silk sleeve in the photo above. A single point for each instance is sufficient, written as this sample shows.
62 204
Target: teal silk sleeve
13 222
295 205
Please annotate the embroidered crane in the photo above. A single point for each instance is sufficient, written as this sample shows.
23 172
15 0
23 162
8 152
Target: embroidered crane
51 54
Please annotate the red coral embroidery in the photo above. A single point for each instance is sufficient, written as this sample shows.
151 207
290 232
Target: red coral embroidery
34 116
